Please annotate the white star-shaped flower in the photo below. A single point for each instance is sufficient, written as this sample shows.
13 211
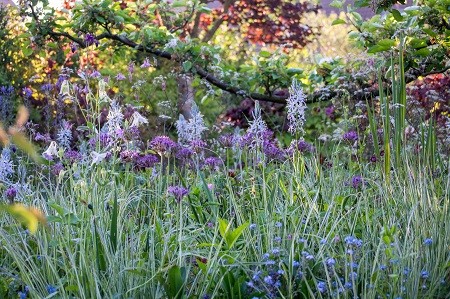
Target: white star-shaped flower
138 119
52 150
97 157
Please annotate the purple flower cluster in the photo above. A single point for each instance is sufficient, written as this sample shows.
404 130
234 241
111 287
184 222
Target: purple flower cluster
178 192
146 161
163 145
350 136
90 39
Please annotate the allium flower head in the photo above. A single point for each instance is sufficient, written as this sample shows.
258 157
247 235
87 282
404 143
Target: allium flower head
178 192
11 193
350 136
192 128
296 106
163 145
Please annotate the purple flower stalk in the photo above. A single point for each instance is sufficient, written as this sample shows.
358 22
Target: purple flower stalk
178 192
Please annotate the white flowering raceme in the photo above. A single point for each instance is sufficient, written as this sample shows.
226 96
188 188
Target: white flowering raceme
6 165
257 126
51 151
98 157
102 94
115 119
192 129
296 105
137 119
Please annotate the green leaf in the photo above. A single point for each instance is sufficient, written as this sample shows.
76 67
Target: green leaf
397 15
337 22
187 65
223 228
175 282
294 71
235 234
429 32
265 54
387 42
27 51
377 48
423 52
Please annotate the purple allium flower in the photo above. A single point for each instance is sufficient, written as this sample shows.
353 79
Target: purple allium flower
428 241
304 146
73 156
120 77
213 163
227 140
57 168
357 181
163 145
178 192
350 136
197 145
11 193
146 161
329 111
373 159
90 39
321 287
184 154
128 155
272 151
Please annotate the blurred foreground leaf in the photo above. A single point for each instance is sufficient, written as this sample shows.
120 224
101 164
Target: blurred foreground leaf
28 216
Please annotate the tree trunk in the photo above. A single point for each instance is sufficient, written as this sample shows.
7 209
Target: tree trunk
185 95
